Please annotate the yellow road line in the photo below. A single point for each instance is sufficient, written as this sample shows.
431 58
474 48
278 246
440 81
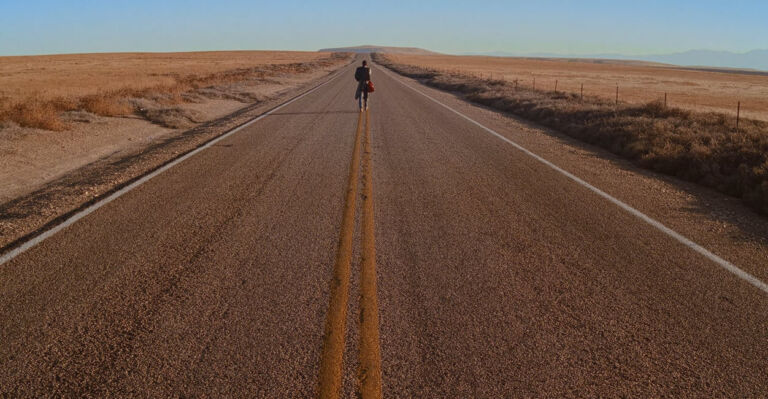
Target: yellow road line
370 351
331 360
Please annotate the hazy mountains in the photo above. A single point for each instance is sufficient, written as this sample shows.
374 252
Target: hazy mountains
755 59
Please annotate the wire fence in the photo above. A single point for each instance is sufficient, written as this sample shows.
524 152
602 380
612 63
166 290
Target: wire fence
520 83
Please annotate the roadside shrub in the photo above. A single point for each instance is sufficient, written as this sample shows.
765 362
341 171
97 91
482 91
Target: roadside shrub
35 114
106 104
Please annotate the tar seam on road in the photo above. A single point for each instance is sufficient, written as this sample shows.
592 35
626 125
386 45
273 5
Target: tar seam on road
332 356
370 350
730 267
117 194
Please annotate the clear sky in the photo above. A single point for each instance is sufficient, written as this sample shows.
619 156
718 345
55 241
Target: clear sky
566 27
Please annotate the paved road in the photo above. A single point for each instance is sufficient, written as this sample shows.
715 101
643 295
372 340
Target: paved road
438 261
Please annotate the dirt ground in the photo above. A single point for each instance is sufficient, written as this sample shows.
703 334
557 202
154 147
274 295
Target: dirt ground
638 82
31 157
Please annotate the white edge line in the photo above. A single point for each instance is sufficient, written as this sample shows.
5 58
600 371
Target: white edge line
117 194
730 267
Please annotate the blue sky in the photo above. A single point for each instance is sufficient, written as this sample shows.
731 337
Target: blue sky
566 27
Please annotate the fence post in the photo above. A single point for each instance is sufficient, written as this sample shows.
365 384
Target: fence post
738 114
582 91
665 99
515 84
534 83
555 85
617 95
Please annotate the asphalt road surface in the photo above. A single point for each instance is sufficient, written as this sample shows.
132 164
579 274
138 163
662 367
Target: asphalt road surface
404 251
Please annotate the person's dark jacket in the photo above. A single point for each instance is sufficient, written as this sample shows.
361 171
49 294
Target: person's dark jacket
363 74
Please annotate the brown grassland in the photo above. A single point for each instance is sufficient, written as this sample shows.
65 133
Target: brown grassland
703 147
34 90
638 82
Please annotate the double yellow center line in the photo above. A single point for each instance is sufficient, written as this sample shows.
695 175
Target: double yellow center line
332 357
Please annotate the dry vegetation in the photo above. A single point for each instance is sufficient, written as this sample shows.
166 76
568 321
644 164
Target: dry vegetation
639 82
36 90
703 147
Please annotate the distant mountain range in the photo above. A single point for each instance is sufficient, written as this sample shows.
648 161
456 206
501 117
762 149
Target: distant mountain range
755 59
380 49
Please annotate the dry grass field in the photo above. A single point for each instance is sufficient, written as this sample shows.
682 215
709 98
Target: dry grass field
639 83
35 89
